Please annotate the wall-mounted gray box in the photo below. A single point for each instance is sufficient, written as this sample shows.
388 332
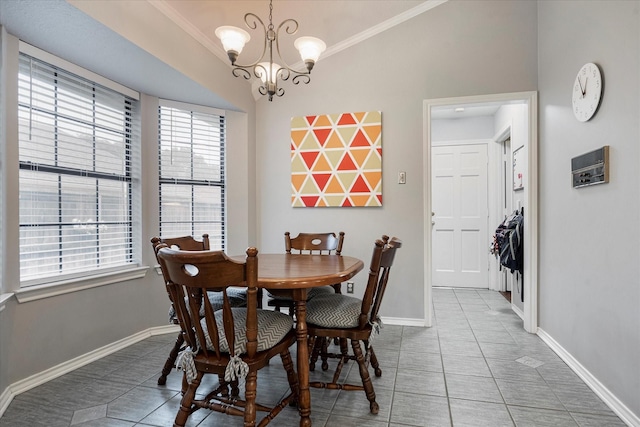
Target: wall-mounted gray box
590 168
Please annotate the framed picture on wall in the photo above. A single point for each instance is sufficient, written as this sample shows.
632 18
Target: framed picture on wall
518 169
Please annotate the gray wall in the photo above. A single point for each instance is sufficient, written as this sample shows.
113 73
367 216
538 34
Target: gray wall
460 51
589 264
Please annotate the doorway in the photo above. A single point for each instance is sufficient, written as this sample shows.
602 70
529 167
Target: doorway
525 125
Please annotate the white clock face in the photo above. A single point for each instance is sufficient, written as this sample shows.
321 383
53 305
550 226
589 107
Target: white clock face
587 90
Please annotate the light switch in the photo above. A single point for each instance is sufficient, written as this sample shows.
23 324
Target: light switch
402 177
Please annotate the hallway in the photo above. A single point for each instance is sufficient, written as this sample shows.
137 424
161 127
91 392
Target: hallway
475 367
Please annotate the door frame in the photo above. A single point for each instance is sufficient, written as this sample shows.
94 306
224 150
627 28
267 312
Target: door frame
530 274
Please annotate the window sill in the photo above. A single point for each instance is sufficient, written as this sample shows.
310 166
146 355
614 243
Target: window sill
52 289
3 299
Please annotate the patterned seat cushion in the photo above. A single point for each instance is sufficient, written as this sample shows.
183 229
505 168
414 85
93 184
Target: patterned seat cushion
334 311
272 328
311 293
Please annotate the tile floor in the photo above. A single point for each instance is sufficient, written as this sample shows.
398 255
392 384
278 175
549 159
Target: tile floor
475 367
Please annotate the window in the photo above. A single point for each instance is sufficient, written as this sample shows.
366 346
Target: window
192 187
76 172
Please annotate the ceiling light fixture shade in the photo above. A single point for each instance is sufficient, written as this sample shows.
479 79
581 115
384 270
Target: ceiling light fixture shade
233 41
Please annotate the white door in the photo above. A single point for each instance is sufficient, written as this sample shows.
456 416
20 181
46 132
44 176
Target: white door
459 200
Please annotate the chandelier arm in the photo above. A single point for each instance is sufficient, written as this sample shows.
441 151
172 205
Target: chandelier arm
301 78
241 72
290 27
251 20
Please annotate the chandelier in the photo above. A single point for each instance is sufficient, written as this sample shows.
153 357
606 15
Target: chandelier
264 68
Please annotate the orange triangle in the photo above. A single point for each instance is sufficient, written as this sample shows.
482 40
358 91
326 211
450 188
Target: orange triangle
310 119
360 116
321 179
373 178
334 141
322 165
360 186
346 119
360 140
297 136
373 132
323 121
309 201
360 156
347 163
321 135
309 157
297 181
334 186
359 200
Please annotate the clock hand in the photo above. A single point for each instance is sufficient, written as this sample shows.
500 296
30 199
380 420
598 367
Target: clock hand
580 83
585 87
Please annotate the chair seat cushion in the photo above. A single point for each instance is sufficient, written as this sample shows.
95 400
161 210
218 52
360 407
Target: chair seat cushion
334 311
273 326
311 293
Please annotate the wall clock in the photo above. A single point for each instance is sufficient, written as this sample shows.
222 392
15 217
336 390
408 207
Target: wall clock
587 92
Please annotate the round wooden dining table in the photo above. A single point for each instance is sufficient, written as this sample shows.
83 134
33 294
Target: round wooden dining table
293 275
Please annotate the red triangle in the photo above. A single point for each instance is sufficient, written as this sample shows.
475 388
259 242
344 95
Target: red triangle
321 135
321 179
309 201
379 152
346 119
360 140
309 157
347 164
346 203
360 186
310 119
379 196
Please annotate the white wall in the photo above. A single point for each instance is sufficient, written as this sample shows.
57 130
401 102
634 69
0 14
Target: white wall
589 263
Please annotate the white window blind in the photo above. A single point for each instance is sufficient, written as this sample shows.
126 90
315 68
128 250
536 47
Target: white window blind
76 168
192 185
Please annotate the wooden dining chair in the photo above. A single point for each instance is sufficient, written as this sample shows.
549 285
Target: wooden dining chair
309 243
345 317
234 342
237 297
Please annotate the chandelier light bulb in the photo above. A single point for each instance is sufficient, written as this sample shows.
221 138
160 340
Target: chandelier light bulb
267 75
233 40
310 49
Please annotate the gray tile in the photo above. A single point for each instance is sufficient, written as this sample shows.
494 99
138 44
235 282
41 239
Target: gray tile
468 413
460 347
419 410
421 382
342 421
473 388
464 365
528 393
558 372
592 420
494 336
106 422
512 370
355 404
89 414
26 414
580 398
166 414
424 362
536 417
138 403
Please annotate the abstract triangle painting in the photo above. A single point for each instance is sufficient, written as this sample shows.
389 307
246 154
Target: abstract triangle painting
342 155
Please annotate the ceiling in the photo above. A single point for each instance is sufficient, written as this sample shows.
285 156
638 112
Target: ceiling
339 24
59 28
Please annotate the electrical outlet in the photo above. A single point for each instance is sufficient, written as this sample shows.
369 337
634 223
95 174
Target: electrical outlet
349 287
402 177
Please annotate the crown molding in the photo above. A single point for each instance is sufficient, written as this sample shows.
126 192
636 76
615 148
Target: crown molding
214 48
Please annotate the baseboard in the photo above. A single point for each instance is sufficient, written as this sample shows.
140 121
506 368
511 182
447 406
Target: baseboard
619 408
54 372
402 321
517 310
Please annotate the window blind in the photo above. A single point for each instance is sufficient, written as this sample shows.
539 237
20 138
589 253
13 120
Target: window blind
192 171
76 167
